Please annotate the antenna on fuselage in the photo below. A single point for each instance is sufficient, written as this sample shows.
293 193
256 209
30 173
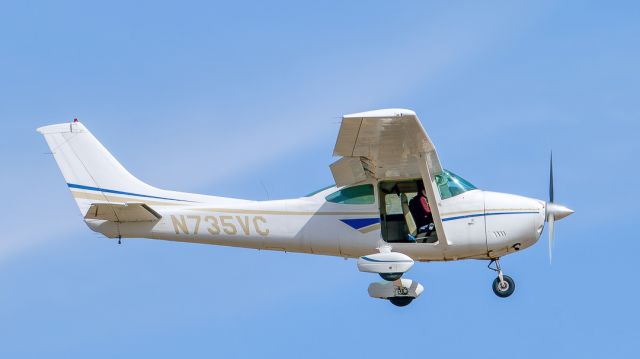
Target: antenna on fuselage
265 190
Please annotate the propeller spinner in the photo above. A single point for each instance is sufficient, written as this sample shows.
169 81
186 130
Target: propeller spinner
554 211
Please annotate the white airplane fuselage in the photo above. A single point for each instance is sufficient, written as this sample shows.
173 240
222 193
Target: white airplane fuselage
478 224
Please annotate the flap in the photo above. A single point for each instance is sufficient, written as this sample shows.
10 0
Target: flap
122 212
348 170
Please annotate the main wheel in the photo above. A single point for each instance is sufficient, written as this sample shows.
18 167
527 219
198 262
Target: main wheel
391 276
401 301
505 288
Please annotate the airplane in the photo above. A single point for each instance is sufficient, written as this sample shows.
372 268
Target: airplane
385 156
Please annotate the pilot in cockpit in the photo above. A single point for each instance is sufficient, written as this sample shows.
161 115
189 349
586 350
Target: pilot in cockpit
420 211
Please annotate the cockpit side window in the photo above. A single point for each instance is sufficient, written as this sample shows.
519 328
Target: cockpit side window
451 185
362 194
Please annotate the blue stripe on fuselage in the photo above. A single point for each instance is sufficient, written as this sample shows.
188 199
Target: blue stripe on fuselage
485 214
357 223
89 188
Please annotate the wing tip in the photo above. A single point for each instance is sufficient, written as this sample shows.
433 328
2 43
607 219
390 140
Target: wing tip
386 112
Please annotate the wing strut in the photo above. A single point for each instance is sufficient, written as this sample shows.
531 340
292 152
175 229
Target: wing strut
433 196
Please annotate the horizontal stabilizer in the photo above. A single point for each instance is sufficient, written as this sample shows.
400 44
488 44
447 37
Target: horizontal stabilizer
122 212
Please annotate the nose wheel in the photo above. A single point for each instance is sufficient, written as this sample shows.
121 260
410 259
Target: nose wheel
503 286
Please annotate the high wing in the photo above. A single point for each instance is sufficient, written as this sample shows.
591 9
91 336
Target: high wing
385 145
389 143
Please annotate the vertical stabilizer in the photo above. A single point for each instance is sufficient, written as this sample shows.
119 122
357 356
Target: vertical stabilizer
91 172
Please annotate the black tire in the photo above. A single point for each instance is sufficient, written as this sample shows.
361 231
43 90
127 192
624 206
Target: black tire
391 276
507 290
401 301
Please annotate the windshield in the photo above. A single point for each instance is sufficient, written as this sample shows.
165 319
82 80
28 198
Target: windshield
450 184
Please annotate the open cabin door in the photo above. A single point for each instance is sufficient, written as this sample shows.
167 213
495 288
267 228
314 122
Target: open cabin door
397 222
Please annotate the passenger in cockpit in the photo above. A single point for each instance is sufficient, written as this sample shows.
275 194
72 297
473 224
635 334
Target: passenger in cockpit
420 210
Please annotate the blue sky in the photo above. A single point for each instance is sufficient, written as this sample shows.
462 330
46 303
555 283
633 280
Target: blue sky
238 96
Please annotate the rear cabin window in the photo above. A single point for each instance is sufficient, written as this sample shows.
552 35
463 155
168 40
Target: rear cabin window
392 202
362 194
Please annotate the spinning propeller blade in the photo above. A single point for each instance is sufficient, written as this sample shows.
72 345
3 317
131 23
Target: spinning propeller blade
551 221
551 178
553 211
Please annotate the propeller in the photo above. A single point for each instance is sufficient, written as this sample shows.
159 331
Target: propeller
554 211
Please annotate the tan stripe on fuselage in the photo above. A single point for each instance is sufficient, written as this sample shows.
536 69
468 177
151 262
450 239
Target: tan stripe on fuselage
287 213
103 196
370 228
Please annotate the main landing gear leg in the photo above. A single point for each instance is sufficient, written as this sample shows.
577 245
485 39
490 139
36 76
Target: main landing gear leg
503 286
